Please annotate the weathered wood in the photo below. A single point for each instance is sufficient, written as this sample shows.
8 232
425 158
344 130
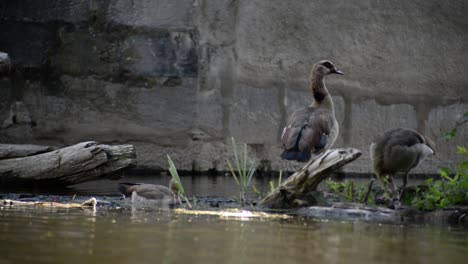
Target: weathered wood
9 151
88 204
295 191
5 65
404 215
78 163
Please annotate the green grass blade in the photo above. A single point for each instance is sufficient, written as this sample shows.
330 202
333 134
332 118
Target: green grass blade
244 166
175 175
272 186
280 176
187 201
233 173
241 175
250 174
236 157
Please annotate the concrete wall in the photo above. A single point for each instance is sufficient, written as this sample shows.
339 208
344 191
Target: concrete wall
181 77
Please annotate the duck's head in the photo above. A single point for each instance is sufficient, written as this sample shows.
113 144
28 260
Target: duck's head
430 144
174 186
324 67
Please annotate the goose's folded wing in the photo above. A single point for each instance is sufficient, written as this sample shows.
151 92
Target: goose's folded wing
315 135
292 131
307 130
148 191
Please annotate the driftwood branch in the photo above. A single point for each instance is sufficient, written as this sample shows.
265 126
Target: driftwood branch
5 65
296 190
8 151
70 165
88 204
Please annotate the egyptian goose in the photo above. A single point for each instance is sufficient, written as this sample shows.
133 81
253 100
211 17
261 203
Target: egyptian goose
151 192
398 150
312 129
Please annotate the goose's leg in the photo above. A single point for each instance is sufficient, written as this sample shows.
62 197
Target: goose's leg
395 195
405 181
369 189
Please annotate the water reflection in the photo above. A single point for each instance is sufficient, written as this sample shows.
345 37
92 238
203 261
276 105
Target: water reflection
194 185
136 236
201 185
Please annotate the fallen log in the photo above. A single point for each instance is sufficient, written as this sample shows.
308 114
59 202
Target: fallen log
404 215
70 165
297 189
5 65
8 151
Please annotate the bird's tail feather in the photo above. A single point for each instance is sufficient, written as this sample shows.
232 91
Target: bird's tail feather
296 155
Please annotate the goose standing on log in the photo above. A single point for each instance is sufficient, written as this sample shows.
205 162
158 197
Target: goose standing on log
398 150
152 193
312 129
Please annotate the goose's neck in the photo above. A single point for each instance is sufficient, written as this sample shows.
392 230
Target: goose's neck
320 93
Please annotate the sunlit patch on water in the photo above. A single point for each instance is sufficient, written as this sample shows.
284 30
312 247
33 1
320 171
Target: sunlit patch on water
234 214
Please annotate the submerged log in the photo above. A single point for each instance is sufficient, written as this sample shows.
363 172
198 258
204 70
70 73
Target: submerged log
5 65
296 190
404 215
8 151
70 165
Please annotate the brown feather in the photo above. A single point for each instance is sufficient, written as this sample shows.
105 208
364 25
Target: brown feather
148 191
305 128
393 151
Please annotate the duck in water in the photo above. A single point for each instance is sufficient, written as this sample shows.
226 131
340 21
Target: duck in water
313 129
150 193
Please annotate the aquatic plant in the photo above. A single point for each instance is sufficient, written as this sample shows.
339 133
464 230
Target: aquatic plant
448 191
271 184
176 178
452 133
452 188
349 191
241 174
257 192
336 187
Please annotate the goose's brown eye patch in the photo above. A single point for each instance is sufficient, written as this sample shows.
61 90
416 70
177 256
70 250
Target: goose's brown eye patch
327 64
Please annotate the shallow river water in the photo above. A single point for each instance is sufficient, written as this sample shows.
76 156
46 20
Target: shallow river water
129 235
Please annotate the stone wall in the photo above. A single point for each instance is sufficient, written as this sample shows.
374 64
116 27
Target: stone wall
181 77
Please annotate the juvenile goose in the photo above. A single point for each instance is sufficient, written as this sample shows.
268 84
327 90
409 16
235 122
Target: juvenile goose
152 192
312 129
398 150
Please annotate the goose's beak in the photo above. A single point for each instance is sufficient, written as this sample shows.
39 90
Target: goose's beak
336 71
